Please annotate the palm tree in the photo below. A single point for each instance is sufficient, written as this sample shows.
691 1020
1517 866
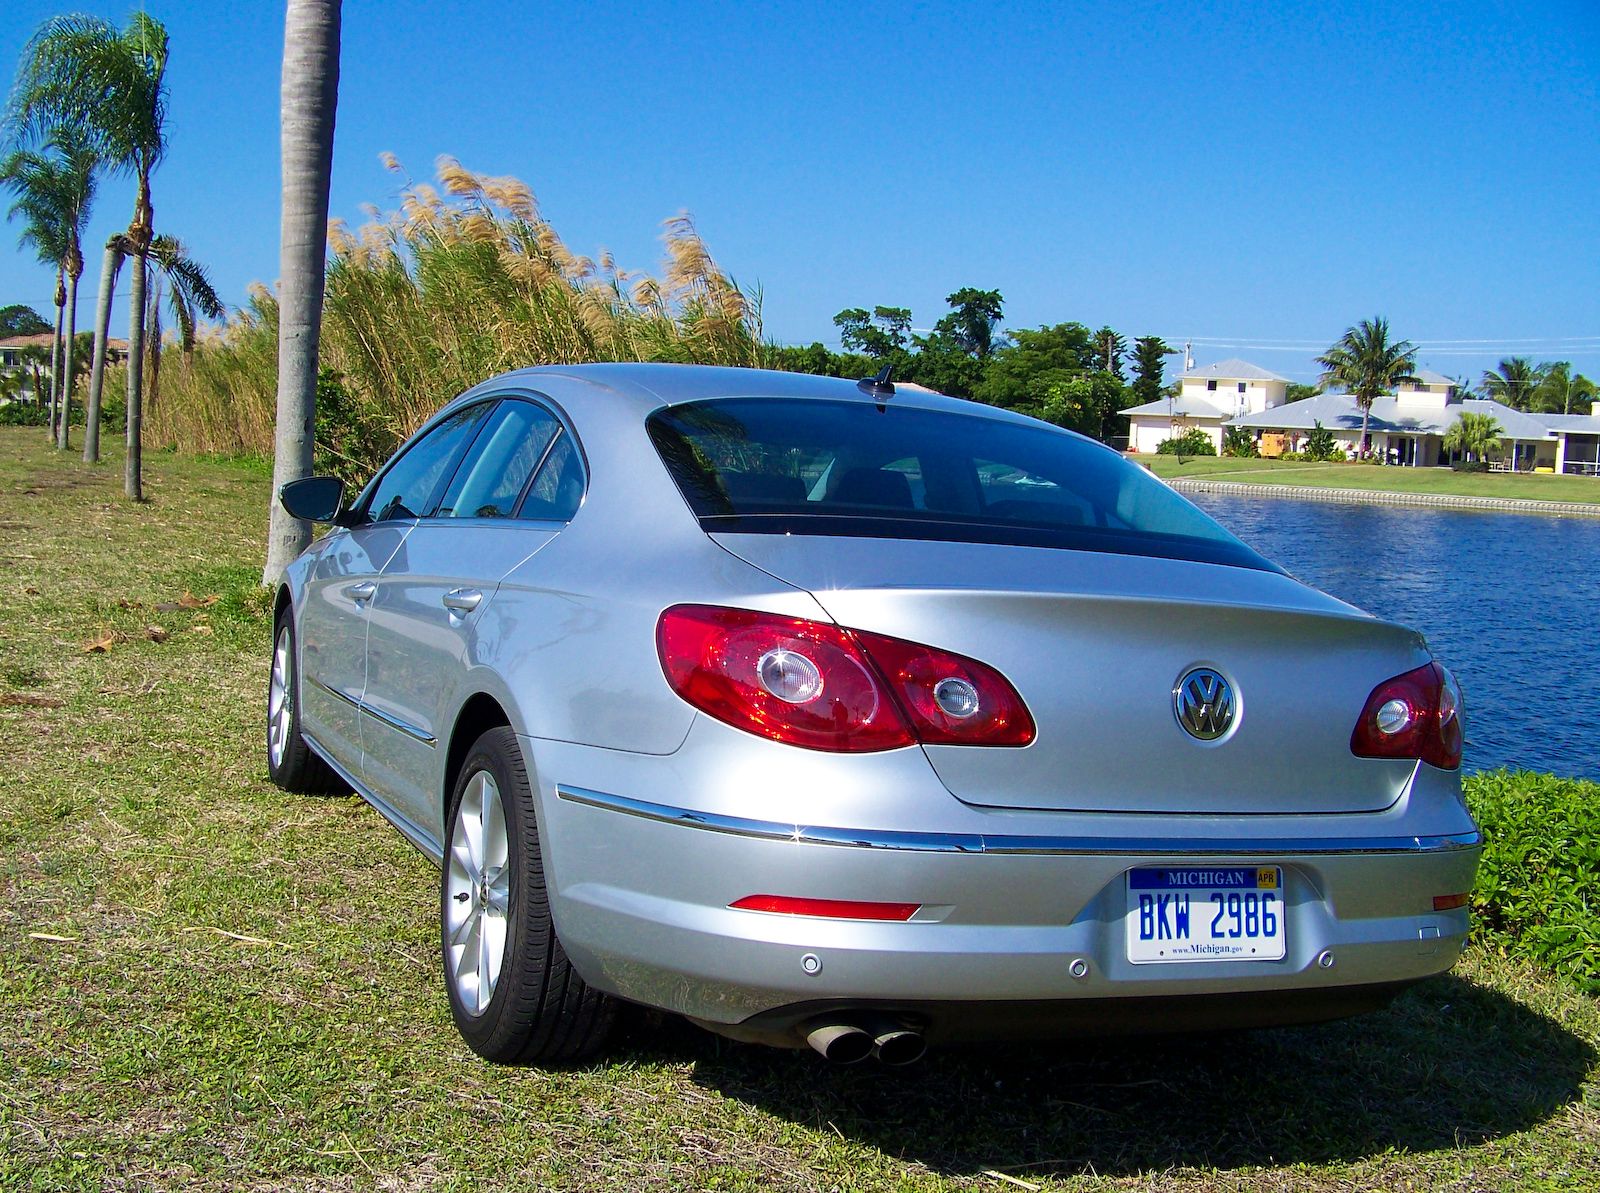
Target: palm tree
1473 435
182 281
1368 365
309 98
84 72
57 190
1514 381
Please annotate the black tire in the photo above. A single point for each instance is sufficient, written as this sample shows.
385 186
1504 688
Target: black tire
292 764
540 1012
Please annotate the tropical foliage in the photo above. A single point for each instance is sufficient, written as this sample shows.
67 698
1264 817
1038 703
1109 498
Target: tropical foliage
1193 442
1321 445
1367 364
1237 441
1473 436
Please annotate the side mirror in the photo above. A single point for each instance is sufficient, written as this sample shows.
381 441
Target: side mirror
316 498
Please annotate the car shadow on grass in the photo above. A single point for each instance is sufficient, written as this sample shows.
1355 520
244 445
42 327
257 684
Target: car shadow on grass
1449 1064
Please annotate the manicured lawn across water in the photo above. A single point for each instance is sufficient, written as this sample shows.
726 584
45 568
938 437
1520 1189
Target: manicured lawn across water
206 982
1526 486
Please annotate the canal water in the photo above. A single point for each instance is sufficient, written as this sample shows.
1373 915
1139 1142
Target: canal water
1509 602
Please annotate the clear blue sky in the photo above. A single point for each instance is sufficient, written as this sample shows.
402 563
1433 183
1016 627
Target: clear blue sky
1261 174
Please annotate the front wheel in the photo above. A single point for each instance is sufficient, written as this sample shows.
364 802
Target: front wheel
514 995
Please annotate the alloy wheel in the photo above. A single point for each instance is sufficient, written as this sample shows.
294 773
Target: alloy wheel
280 699
477 894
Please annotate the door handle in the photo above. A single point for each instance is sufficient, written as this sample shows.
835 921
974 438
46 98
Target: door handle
361 592
461 600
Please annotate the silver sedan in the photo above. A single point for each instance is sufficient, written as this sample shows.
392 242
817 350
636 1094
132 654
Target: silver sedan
853 715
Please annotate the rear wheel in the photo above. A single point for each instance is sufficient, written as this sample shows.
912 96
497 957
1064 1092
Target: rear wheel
291 763
514 995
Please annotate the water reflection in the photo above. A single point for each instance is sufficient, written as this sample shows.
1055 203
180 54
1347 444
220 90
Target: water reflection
1510 602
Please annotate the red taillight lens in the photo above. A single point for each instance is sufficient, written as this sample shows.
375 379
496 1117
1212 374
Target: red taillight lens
1415 715
793 680
831 909
813 684
952 700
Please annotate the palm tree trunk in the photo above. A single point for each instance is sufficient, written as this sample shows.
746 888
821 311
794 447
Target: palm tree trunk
102 329
66 355
309 99
133 479
55 362
1366 413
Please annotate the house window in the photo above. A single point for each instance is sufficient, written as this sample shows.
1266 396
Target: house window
1212 386
1241 387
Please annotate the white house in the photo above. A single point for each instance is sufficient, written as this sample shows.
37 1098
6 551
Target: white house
1207 399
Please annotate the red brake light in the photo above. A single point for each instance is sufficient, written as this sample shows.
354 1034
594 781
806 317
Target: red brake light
817 685
1415 715
952 700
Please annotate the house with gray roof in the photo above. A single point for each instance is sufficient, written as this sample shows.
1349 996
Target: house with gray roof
1206 399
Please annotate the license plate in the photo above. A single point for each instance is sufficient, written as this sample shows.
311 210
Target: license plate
1205 913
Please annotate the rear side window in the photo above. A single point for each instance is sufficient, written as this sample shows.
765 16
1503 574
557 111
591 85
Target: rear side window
503 457
787 466
558 489
406 488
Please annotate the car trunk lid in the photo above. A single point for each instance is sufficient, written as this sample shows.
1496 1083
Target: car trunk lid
1096 644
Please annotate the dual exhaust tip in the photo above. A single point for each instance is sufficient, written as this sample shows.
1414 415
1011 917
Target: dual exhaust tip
850 1041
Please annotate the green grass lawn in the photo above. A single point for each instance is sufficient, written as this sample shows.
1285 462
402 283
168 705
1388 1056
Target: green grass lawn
206 982
1530 487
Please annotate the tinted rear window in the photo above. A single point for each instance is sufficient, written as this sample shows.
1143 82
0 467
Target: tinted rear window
782 466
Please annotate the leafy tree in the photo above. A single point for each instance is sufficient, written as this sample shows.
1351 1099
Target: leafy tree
310 96
972 320
1237 441
1086 402
55 190
1109 349
1368 365
1149 363
1514 382
943 364
85 73
1295 392
18 320
1020 374
879 334
1320 443
1473 435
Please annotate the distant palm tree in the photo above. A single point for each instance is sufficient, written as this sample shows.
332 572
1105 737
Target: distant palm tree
56 191
84 72
1473 435
1514 382
1368 365
309 98
182 282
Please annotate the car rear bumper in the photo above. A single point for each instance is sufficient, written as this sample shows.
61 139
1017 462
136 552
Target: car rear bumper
1027 925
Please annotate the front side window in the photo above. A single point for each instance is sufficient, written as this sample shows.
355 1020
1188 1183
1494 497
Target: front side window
492 475
406 489
786 466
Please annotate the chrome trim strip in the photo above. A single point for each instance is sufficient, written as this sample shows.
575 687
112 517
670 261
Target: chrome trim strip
411 831
739 826
409 730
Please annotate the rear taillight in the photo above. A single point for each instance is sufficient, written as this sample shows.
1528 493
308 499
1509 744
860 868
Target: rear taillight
817 685
1415 715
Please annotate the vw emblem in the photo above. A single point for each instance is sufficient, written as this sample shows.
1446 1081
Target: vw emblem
1204 704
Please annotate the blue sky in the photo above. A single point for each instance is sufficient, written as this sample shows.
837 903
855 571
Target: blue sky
1257 177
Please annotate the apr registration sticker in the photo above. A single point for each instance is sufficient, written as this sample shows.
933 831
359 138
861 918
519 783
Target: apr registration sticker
1205 913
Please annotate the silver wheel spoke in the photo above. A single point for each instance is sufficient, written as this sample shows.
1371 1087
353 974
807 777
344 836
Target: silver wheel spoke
477 892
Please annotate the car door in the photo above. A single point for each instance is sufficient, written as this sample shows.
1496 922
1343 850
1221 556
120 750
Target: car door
428 602
339 592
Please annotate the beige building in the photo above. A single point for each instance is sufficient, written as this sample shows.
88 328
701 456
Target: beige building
1207 399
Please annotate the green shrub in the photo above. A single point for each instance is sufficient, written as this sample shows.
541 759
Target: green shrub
1536 895
1471 466
1236 441
1193 442
22 414
1320 443
1293 457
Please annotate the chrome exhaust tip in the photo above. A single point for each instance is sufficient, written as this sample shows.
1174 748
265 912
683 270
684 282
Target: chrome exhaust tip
841 1043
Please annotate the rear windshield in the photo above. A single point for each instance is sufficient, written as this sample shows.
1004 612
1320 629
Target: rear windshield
785 466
